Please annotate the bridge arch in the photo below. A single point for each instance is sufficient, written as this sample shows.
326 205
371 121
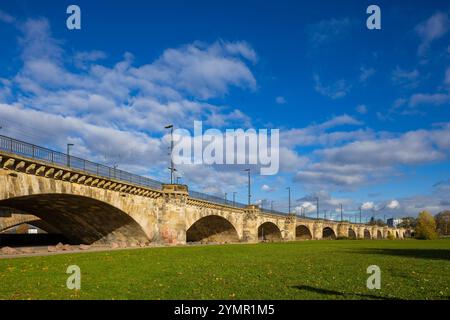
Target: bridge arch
30 220
212 228
396 235
269 231
302 232
81 212
367 234
328 233
379 234
351 233
80 219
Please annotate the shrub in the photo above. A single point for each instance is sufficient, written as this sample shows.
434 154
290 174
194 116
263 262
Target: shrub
390 236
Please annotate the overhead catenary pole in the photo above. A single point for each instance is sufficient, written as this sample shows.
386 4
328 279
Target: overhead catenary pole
342 215
234 199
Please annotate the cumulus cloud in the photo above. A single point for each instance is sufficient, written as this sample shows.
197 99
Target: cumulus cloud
412 147
368 206
57 97
319 134
393 204
375 159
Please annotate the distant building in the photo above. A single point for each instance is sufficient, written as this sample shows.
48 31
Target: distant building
393 223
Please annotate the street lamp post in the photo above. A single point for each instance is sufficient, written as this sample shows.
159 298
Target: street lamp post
317 207
234 199
249 190
342 216
172 169
289 199
226 197
68 153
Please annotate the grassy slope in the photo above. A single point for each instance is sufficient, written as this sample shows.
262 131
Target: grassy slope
298 270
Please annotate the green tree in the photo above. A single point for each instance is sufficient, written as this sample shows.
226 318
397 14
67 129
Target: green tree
443 223
426 226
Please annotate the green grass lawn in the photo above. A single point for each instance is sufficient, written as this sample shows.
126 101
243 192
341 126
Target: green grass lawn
298 270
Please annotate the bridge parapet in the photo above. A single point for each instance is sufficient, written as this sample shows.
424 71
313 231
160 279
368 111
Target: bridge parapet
12 163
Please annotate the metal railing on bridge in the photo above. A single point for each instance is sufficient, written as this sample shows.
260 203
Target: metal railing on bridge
32 151
54 157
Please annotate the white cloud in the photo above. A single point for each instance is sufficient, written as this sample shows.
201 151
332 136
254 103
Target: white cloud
337 90
394 204
432 29
447 77
368 206
280 100
84 58
412 147
362 109
60 97
319 134
329 175
366 73
266 188
202 70
6 18
241 48
306 207
405 78
327 30
435 99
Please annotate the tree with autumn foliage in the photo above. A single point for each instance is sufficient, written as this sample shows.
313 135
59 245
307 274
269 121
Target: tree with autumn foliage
426 226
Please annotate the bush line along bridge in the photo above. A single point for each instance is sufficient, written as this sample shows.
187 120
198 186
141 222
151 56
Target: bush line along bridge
91 203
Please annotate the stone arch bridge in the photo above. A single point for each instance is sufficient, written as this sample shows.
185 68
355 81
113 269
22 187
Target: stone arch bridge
91 209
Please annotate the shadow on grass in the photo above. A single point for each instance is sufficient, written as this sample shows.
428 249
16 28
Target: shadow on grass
434 254
341 294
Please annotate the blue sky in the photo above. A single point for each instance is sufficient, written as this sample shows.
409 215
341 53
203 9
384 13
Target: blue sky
363 114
